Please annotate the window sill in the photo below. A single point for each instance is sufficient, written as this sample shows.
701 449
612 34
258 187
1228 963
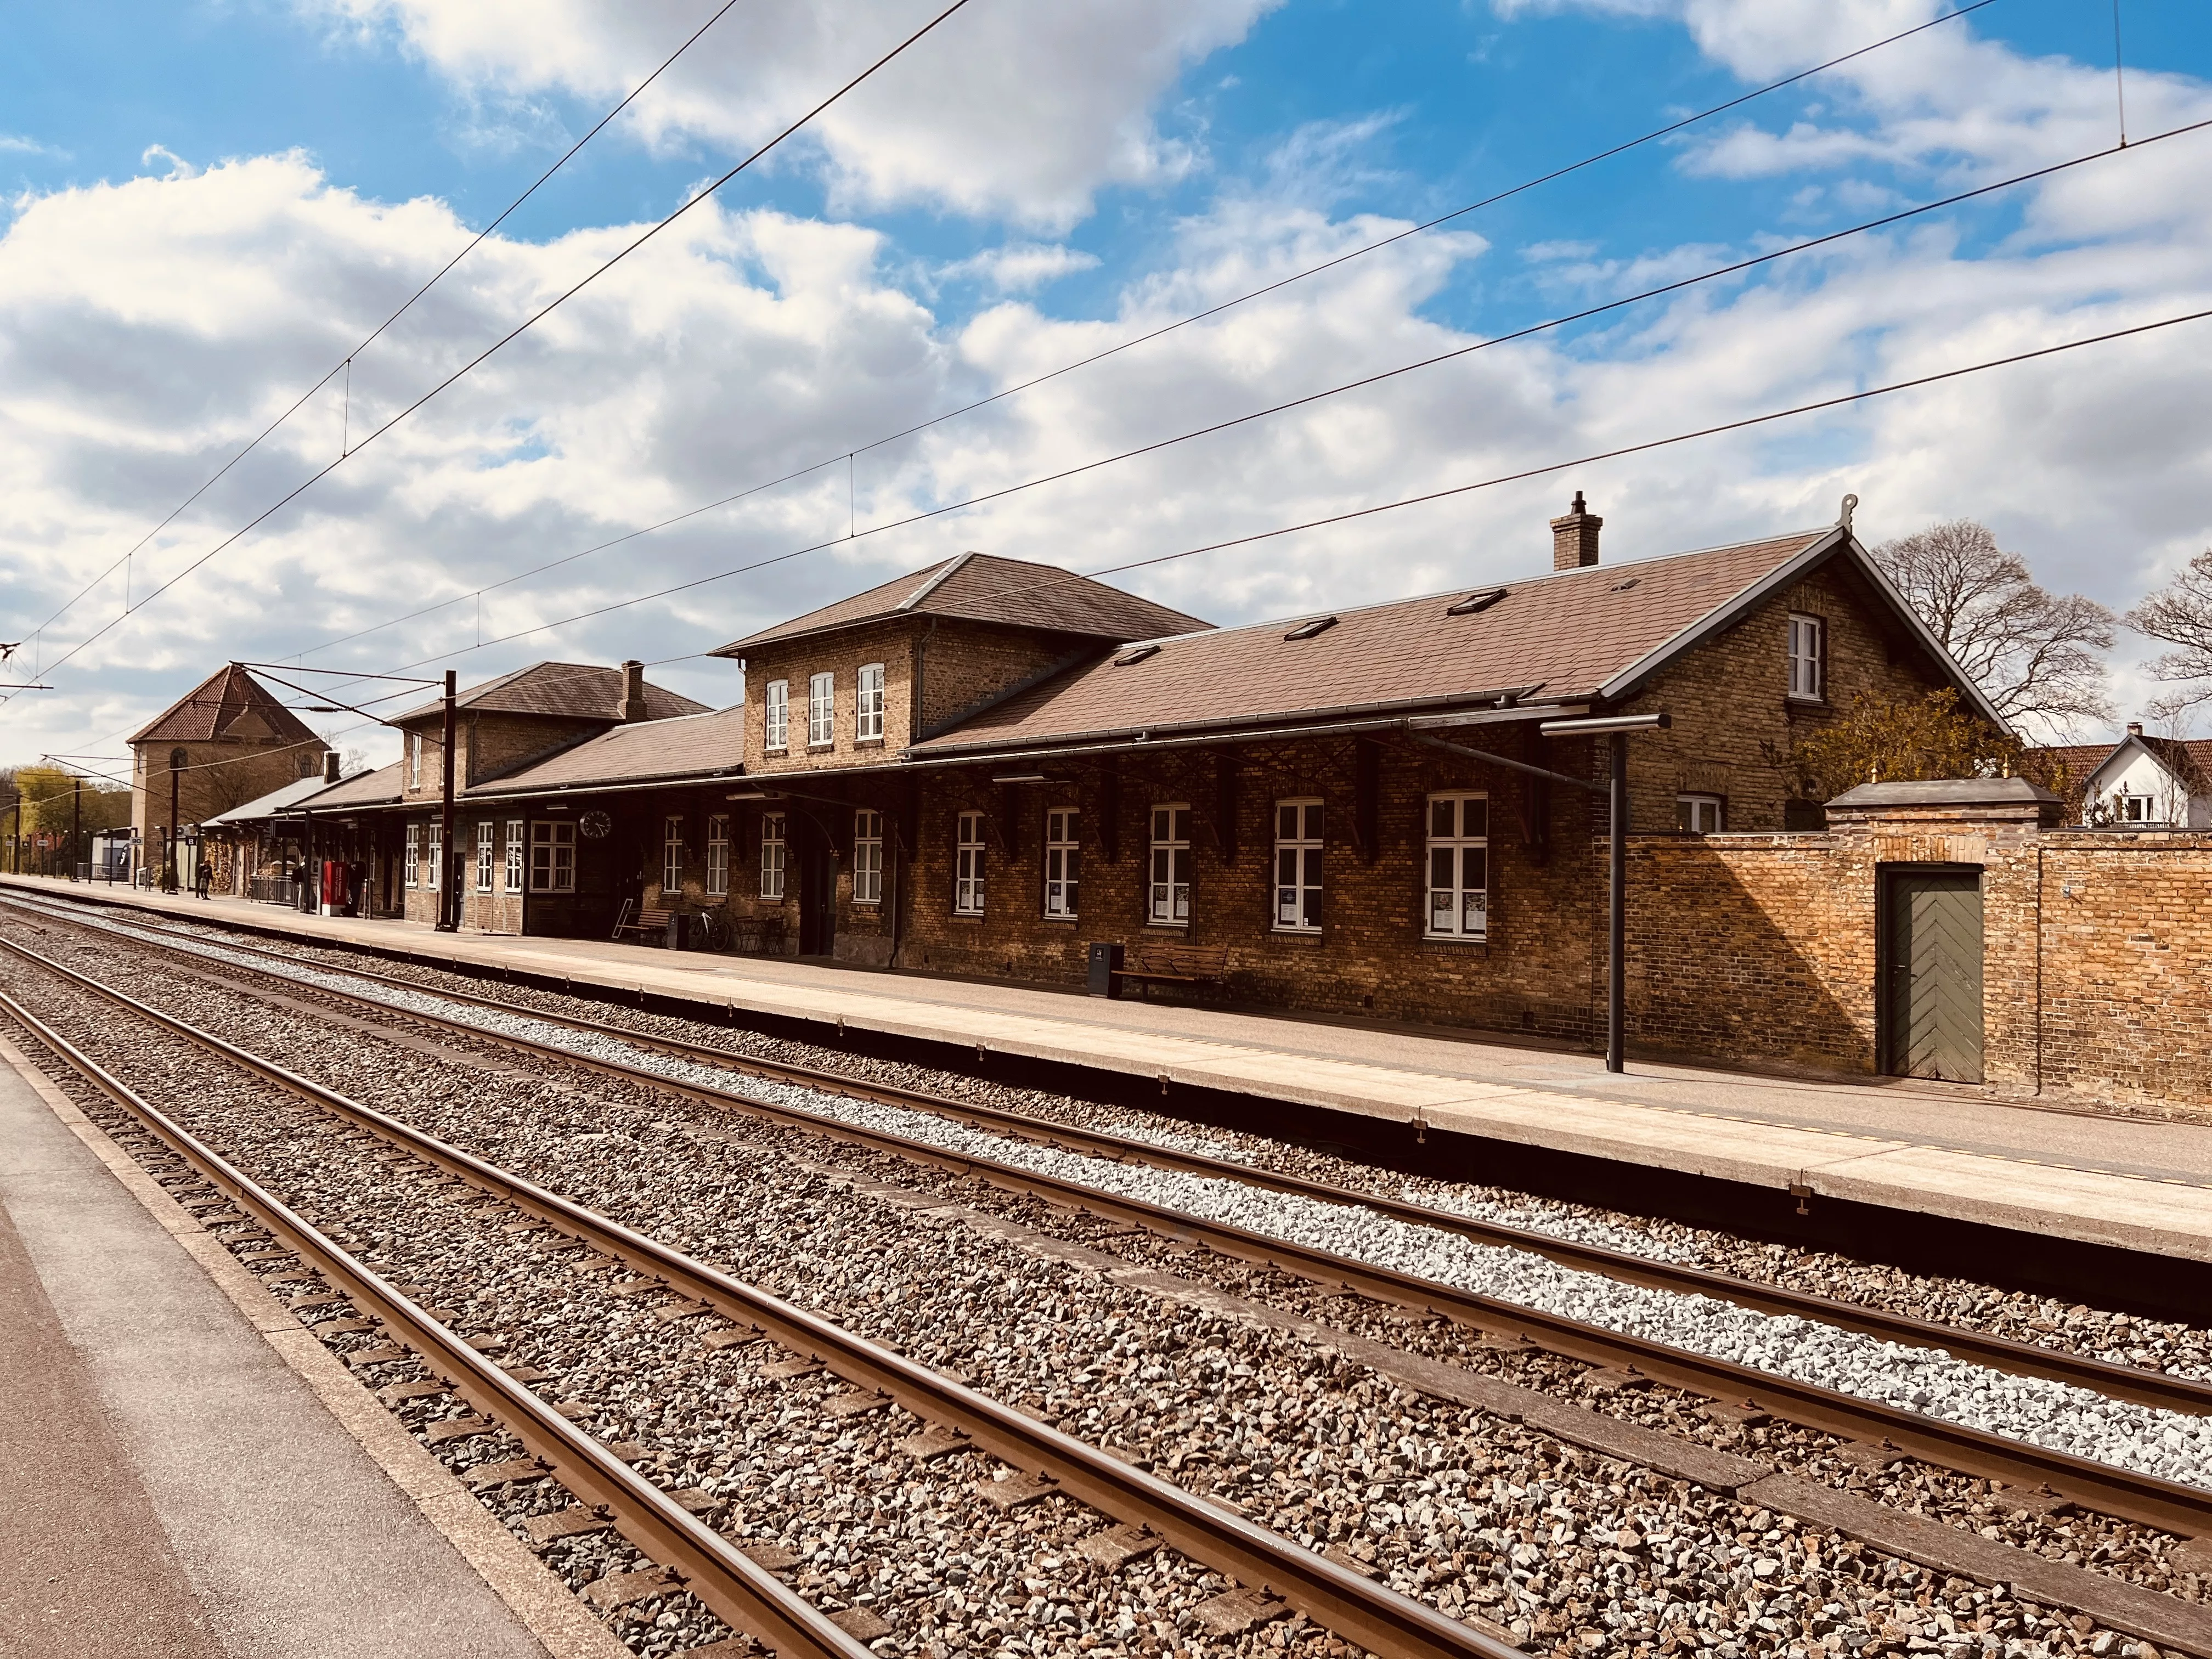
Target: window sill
1456 938
867 743
967 915
821 748
1797 700
1170 927
1295 932
1060 921
781 752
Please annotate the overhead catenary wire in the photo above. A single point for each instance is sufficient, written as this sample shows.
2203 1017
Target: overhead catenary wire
1651 137
1061 475
705 194
346 364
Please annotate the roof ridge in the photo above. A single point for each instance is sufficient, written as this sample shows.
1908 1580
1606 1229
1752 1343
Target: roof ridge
938 578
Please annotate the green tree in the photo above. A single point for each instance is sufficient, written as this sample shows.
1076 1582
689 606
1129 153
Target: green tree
1899 740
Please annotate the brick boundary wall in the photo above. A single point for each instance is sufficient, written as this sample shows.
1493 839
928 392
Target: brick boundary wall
1761 949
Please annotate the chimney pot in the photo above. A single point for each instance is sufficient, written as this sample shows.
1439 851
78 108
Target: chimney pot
1574 538
2134 728
632 706
329 766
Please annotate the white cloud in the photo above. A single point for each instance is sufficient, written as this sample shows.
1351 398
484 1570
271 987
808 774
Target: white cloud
1022 267
148 326
1019 112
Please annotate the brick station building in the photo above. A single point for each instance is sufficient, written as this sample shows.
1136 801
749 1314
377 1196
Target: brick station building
988 766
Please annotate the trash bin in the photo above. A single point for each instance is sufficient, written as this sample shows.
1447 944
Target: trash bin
678 932
1105 961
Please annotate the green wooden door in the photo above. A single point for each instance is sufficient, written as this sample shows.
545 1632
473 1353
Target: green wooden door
1934 962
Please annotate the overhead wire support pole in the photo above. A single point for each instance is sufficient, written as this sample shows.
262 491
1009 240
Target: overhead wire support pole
1614 728
448 907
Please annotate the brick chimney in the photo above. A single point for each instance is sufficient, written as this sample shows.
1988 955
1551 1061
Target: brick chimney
329 766
1574 538
2134 728
632 706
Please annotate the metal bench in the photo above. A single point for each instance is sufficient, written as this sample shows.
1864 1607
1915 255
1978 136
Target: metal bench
1156 960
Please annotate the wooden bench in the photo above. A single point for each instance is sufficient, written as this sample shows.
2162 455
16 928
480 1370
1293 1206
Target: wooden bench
1175 964
653 923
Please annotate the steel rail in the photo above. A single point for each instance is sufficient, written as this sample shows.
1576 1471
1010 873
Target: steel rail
2170 1506
1375 1616
2120 1381
744 1596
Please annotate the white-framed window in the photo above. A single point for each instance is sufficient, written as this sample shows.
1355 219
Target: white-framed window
718 855
1700 815
414 760
1809 658
552 857
414 855
1298 866
775 716
2135 809
1458 867
514 855
487 844
968 865
433 861
1063 861
772 852
1167 900
671 857
821 710
867 857
868 705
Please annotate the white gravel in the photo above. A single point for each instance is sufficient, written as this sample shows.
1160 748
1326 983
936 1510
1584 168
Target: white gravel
2171 1445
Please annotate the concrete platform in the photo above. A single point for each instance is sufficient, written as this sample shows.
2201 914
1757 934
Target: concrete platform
174 1481
2135 1184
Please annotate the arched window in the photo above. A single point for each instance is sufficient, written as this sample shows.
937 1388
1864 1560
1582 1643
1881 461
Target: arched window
177 759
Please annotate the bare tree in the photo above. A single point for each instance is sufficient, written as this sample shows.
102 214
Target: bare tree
2034 653
2180 614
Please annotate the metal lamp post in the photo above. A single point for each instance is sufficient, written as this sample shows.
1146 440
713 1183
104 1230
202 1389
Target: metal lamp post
1614 728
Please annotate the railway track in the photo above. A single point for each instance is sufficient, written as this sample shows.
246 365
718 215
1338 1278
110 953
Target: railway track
2177 1625
2017 1359
2170 1506
744 1594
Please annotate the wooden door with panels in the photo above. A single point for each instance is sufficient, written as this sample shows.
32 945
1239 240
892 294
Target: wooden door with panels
1930 964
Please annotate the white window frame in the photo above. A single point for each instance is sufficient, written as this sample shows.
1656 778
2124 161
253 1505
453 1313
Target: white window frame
2133 809
821 710
775 716
1809 656
1463 910
718 855
868 704
1167 886
414 855
516 855
414 763
970 865
868 856
552 856
487 835
672 856
1700 814
774 851
433 857
1063 862
1300 824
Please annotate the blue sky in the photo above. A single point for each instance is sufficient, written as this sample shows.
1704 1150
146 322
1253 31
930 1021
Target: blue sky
207 203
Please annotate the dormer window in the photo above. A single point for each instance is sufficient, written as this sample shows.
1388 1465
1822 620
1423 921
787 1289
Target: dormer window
1308 631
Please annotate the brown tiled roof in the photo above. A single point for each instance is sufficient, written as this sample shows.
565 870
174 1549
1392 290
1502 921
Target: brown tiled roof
207 713
1557 636
983 587
567 690
686 746
375 788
